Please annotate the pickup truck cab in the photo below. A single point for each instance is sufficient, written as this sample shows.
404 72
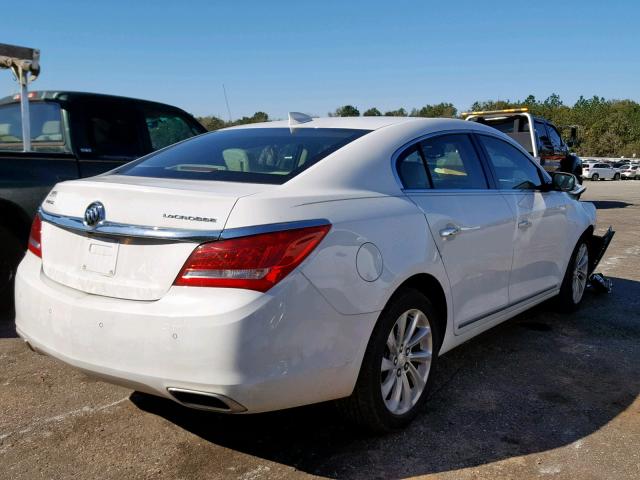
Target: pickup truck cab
74 135
537 135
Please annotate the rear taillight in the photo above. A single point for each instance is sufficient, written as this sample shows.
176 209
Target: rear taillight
35 237
255 262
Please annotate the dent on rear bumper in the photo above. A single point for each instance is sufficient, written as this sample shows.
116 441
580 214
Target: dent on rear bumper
286 348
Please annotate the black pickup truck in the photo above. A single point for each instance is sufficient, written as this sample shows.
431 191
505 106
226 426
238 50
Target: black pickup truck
73 135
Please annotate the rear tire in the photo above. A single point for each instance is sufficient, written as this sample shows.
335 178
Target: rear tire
12 252
398 365
595 177
616 176
575 279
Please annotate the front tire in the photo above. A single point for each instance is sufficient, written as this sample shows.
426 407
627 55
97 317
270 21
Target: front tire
616 176
398 365
575 279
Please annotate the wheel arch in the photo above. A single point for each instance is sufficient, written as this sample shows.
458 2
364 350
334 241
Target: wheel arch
431 288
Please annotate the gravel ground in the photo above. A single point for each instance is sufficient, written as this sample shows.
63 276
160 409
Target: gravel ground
541 396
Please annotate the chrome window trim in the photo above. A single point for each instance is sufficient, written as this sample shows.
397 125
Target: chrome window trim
469 131
77 224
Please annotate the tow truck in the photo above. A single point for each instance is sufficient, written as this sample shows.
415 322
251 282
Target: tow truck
536 134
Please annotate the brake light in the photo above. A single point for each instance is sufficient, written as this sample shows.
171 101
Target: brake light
256 262
35 237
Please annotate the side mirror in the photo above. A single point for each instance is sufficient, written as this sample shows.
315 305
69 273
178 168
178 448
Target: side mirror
563 182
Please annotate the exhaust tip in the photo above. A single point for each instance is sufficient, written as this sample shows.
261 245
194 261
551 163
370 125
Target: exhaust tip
205 400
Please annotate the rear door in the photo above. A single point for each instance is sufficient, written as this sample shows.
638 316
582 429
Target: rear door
541 224
471 223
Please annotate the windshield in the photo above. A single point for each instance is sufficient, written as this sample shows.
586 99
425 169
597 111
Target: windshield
251 155
45 122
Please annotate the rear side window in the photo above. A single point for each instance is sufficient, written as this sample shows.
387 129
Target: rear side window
112 132
46 124
513 169
166 128
249 155
411 169
452 163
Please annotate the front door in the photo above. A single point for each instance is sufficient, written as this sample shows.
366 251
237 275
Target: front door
539 236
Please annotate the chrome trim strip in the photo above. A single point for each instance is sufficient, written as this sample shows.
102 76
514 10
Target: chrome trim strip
234 407
132 231
272 227
506 307
174 234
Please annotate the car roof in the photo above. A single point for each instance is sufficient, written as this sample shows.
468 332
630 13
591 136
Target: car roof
365 123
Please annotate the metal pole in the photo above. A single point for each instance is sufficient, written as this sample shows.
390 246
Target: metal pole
24 110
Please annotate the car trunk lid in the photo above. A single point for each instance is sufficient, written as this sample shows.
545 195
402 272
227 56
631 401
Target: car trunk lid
150 228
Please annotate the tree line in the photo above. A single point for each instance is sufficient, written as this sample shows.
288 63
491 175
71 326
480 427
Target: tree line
606 128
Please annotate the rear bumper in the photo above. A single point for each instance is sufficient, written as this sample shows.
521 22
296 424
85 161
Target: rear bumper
282 349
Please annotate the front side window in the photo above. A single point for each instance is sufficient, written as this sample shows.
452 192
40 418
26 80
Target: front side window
248 155
556 141
46 124
513 169
452 163
543 137
166 127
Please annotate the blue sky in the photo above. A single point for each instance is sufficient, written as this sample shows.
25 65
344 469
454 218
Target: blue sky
278 56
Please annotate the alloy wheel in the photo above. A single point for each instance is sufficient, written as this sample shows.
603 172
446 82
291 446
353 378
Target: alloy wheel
580 273
406 361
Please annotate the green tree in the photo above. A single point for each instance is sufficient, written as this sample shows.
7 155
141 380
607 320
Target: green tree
401 112
212 123
347 111
439 110
372 112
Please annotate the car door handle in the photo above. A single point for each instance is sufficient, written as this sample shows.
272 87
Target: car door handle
524 224
449 232
453 230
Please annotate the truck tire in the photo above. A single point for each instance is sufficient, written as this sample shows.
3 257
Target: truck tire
12 252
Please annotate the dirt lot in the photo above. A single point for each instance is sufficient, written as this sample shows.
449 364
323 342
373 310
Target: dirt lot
542 395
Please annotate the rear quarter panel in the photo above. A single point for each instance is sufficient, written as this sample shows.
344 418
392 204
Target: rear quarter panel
392 223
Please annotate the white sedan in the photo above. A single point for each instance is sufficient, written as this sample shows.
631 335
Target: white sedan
287 263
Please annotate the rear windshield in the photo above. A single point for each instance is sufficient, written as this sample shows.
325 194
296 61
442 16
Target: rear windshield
251 155
46 127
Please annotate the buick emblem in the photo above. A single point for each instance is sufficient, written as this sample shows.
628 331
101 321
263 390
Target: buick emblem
94 214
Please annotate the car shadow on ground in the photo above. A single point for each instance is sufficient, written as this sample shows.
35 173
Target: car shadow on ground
609 204
537 382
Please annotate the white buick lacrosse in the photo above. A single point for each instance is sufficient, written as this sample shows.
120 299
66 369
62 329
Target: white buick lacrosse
273 265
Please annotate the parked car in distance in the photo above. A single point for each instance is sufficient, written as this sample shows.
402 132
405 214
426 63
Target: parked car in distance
631 173
600 171
73 135
274 265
